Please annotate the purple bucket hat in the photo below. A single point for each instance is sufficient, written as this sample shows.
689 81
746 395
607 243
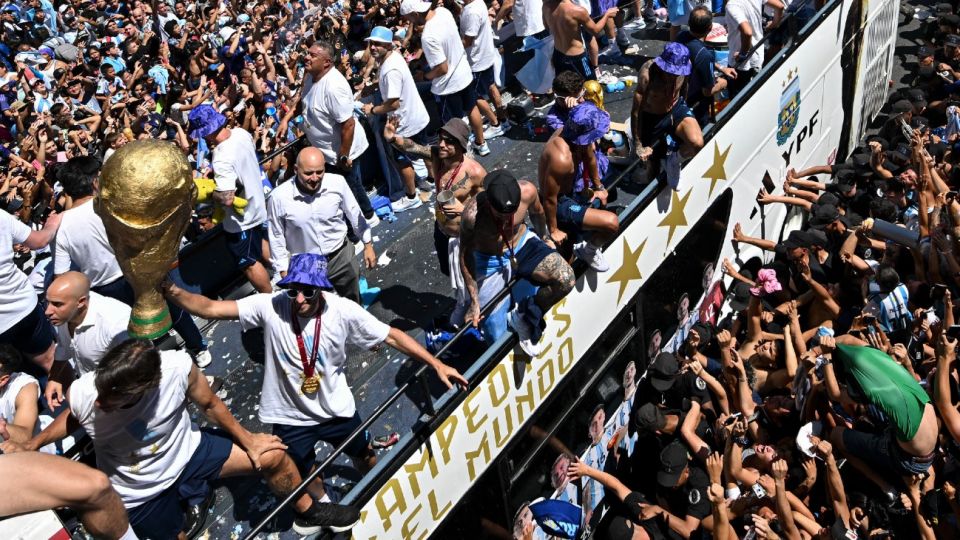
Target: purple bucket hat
586 124
307 269
675 59
204 121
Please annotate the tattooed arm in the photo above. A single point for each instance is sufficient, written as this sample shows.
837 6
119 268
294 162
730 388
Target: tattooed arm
537 215
408 146
468 221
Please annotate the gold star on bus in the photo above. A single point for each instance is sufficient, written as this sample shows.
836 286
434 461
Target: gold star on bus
675 217
629 270
717 170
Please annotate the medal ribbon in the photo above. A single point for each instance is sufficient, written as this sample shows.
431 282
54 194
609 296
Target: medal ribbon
453 178
308 366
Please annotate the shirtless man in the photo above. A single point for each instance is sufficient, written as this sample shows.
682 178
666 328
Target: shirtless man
495 242
570 178
565 19
454 171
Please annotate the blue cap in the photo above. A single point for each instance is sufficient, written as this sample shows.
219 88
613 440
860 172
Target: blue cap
204 121
556 517
307 269
380 34
675 59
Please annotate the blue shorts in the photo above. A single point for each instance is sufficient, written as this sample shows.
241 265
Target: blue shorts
577 64
482 81
571 211
245 246
301 441
32 335
163 516
457 104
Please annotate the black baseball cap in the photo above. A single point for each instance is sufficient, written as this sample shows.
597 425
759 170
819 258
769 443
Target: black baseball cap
817 238
673 461
663 371
828 198
902 106
502 191
796 239
952 40
739 296
648 418
823 215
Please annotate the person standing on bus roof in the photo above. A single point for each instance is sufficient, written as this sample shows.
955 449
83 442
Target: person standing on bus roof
703 83
567 22
307 328
745 30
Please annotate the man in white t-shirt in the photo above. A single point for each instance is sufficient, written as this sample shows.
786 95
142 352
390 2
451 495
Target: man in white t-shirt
18 398
329 124
305 393
311 215
237 173
135 409
81 244
451 80
88 325
744 30
22 323
482 53
400 98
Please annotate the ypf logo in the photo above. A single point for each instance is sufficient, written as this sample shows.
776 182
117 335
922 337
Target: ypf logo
789 106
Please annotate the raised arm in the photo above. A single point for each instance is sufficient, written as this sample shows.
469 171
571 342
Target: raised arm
199 305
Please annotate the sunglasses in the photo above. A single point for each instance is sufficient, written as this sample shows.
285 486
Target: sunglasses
448 140
308 292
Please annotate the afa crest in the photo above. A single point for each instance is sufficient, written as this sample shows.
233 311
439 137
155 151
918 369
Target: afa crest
789 107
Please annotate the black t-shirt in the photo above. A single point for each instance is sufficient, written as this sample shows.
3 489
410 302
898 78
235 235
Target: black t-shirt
690 499
687 387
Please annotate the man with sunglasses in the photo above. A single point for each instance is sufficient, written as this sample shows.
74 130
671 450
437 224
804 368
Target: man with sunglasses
311 215
307 329
455 171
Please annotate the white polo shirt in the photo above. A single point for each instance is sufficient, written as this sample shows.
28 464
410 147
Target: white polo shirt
327 103
343 322
103 327
475 23
15 290
396 81
235 165
142 449
81 244
302 223
441 43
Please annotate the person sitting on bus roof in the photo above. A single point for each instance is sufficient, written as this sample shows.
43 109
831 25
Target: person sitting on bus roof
662 123
496 244
134 407
571 175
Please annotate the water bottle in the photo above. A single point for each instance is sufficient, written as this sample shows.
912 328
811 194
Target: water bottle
616 86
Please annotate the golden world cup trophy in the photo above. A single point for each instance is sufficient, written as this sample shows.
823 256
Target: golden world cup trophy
145 201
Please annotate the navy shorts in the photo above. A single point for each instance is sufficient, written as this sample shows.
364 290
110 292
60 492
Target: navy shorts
457 104
529 256
301 441
577 64
32 335
245 246
163 516
482 81
881 452
571 211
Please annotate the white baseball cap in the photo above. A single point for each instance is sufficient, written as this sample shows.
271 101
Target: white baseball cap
410 6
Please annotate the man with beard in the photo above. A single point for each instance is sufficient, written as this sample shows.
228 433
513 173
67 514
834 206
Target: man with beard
312 215
458 173
400 99
495 243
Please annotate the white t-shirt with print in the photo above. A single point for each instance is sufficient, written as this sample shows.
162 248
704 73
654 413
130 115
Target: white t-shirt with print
15 290
142 449
475 23
397 82
235 162
738 12
343 323
327 103
441 43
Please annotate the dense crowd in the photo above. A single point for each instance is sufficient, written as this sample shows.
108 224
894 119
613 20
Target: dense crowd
288 113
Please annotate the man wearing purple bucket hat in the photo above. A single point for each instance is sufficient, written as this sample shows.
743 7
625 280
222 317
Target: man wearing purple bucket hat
662 123
237 173
307 328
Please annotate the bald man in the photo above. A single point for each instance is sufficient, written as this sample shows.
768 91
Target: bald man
88 325
310 215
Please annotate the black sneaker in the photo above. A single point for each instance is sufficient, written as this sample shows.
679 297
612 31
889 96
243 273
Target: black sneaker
332 517
196 516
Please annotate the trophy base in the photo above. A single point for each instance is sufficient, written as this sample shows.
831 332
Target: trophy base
149 327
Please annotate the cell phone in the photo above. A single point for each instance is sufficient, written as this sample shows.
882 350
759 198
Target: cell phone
869 319
856 333
937 291
732 418
951 195
758 491
953 332
768 183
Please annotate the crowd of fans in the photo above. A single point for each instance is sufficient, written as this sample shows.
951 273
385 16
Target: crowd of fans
849 328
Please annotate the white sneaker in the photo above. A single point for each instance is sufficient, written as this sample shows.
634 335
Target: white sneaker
633 49
610 50
523 330
636 24
605 77
493 132
203 359
406 203
592 256
374 221
481 149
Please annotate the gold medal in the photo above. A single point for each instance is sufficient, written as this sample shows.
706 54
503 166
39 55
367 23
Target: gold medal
310 384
